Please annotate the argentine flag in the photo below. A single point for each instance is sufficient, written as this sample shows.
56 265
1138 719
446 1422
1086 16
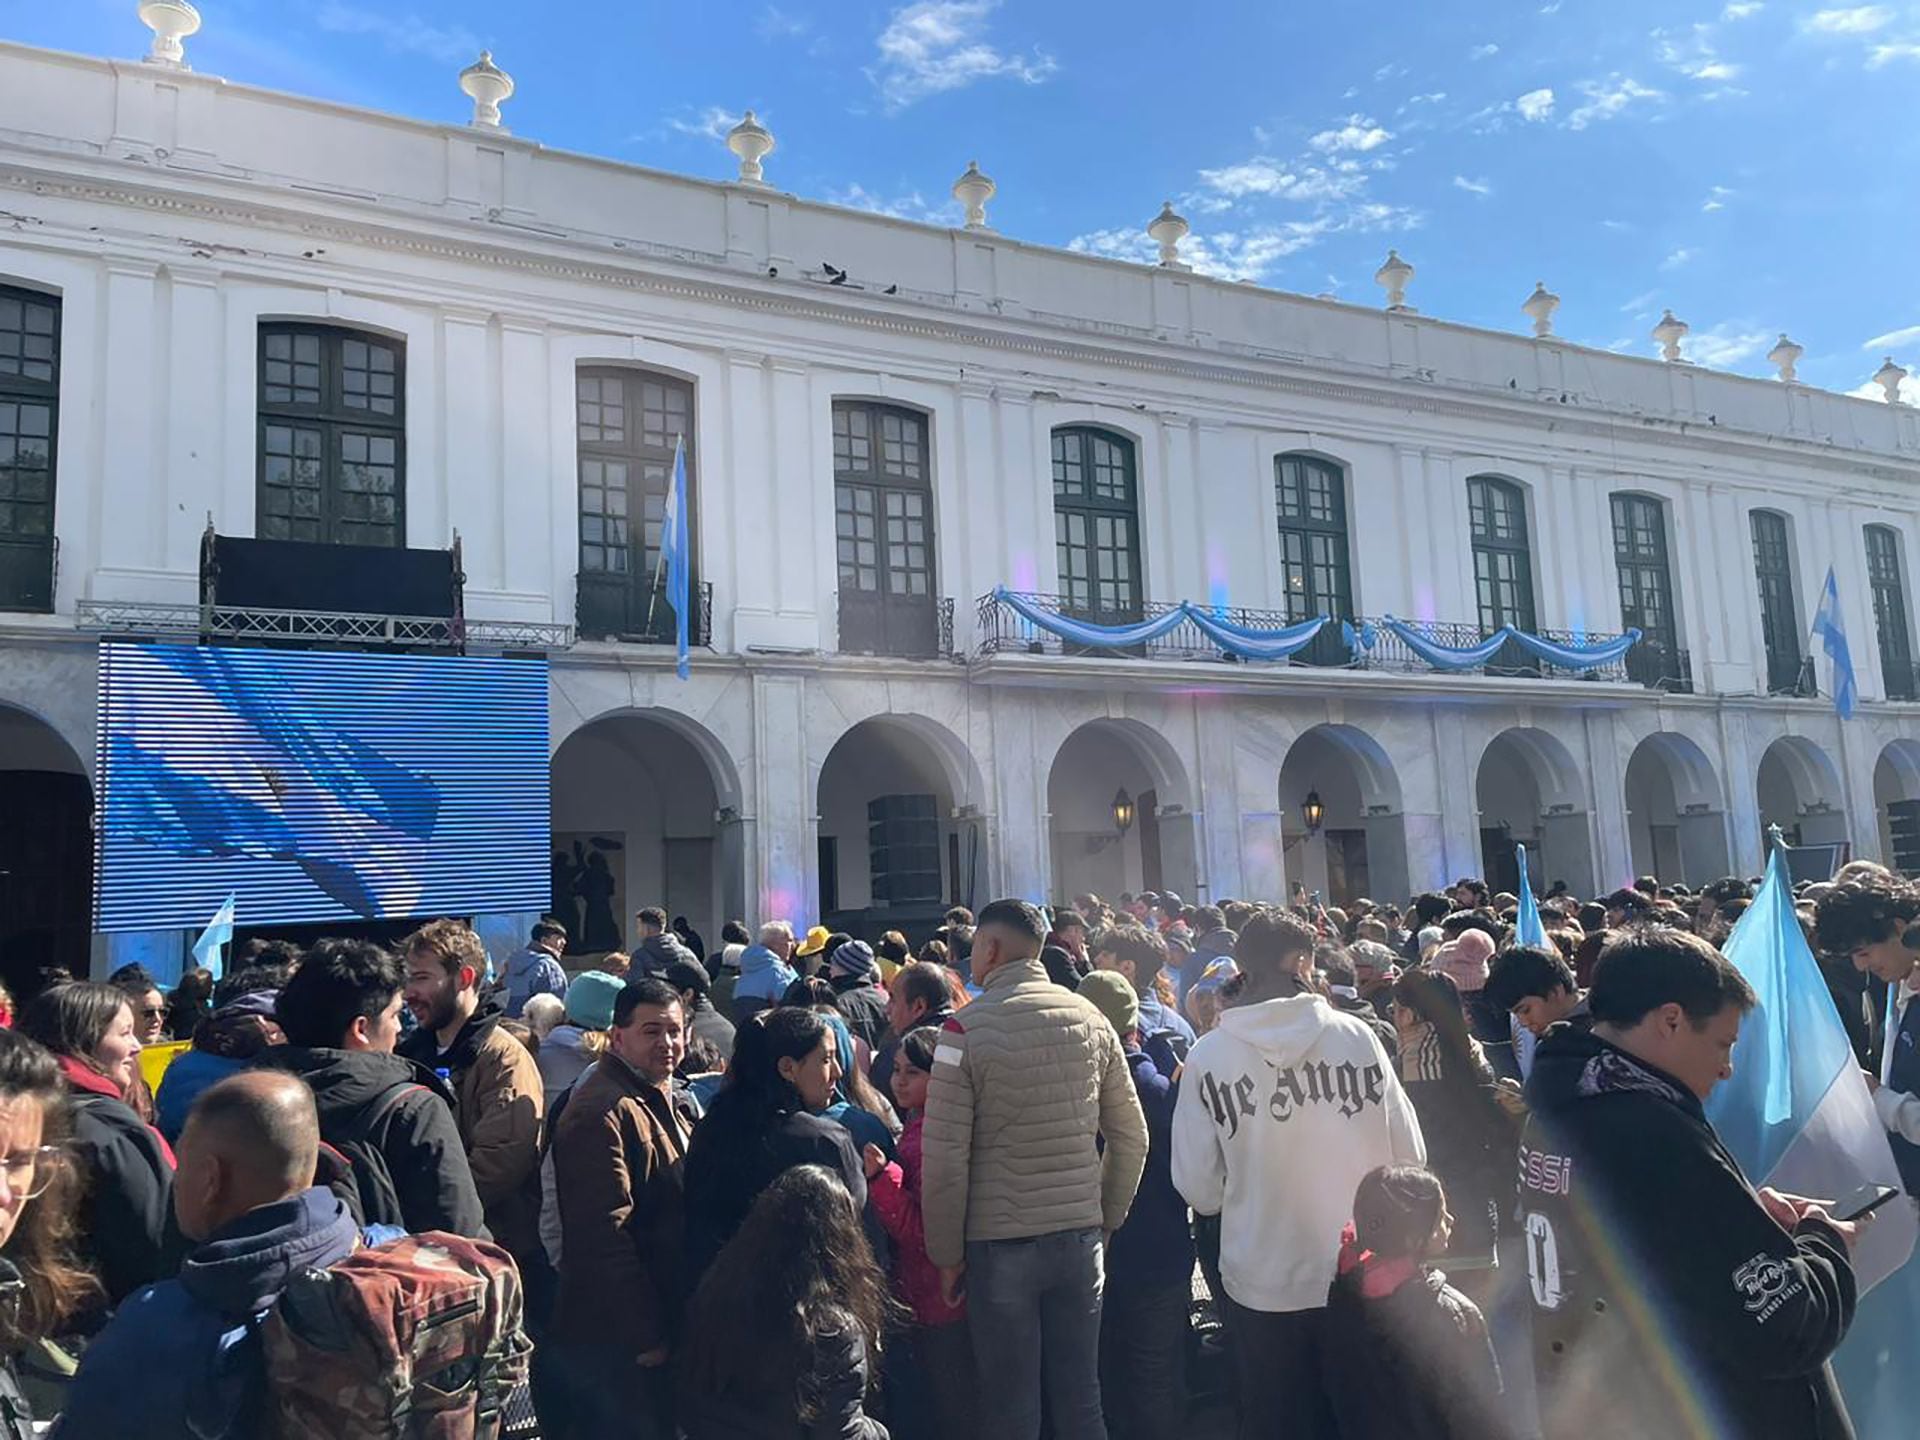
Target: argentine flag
1832 634
1527 930
673 546
1796 1113
210 949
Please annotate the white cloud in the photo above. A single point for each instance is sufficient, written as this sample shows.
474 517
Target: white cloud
1535 104
1359 133
1608 98
1741 9
1893 339
1639 303
911 206
1264 176
1482 188
1859 20
776 24
1483 52
1887 53
713 123
1552 7
1868 390
1692 54
1725 346
1616 225
1389 72
409 34
1716 199
939 45
1678 258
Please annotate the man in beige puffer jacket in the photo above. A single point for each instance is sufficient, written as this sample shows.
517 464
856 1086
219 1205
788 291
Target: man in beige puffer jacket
1033 1146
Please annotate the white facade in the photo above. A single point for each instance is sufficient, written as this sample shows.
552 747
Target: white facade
172 213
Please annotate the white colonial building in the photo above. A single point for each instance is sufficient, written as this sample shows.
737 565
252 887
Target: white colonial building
289 319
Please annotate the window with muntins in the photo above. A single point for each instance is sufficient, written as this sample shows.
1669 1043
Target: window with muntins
29 425
332 413
1646 584
1891 623
1096 524
883 529
1310 497
1502 557
1779 616
626 425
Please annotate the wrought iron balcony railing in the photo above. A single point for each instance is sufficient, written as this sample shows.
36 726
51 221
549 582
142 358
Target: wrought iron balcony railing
254 625
1001 629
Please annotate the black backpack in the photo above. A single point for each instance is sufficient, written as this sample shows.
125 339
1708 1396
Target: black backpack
353 1166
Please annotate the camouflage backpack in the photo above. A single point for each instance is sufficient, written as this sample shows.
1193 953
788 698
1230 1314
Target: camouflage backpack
417 1339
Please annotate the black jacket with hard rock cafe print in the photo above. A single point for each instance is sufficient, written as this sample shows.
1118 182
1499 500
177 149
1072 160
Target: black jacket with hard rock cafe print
1667 1303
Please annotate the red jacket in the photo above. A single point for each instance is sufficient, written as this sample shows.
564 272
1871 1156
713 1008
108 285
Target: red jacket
895 1193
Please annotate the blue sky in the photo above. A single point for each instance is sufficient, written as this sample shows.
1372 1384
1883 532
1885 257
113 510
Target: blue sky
1752 165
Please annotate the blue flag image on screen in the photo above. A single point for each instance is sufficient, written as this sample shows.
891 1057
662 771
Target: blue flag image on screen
1797 1116
316 786
1831 632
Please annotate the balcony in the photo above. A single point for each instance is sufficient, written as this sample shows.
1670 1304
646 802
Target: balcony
902 627
611 608
1002 629
1791 675
1902 677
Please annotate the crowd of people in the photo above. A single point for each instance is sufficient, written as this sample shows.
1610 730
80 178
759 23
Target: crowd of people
1031 1176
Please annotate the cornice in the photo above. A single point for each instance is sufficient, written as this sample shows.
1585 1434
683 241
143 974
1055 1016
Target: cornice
918 316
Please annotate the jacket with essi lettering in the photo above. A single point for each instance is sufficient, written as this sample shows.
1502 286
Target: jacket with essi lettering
1283 1107
1651 1259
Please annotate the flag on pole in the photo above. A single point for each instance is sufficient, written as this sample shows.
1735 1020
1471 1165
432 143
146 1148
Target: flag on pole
210 949
1832 635
673 554
1797 1114
1529 931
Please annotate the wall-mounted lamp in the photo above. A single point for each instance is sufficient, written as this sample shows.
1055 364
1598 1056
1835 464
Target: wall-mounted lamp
1122 811
1313 812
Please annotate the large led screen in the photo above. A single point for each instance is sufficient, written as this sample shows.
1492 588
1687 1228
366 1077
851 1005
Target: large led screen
316 786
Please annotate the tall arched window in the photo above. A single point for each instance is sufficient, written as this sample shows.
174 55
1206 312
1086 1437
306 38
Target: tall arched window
1646 589
1096 524
1892 626
883 529
1502 561
1310 496
29 421
333 442
1779 616
626 425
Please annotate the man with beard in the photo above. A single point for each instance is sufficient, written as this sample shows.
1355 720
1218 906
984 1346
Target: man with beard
496 1085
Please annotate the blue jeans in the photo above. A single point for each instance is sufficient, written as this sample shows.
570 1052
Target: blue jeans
1143 1357
1033 1306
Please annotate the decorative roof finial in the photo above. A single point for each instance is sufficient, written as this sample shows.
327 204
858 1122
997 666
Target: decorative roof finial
171 22
1540 305
1393 277
1888 378
1670 332
974 190
488 86
1167 230
752 142
1784 355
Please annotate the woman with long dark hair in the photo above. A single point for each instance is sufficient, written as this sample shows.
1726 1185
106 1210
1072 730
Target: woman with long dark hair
40 1284
125 1166
783 1336
1470 1139
769 1116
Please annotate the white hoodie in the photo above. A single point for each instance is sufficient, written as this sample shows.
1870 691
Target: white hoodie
1282 1109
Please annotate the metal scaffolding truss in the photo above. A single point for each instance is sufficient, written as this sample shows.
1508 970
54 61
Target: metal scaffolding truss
242 624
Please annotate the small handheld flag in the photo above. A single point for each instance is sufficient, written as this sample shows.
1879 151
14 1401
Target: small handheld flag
210 949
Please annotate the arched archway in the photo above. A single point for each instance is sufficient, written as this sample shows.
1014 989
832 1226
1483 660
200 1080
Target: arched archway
1896 804
646 811
1798 789
46 850
1530 792
899 836
1091 852
1676 822
1360 846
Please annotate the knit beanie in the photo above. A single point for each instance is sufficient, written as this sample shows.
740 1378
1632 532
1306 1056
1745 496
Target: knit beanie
590 999
1112 995
855 957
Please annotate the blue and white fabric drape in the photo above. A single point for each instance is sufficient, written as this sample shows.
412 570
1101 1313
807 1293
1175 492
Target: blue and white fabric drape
1469 657
1241 640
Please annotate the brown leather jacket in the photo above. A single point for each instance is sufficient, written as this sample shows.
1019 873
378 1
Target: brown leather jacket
618 1154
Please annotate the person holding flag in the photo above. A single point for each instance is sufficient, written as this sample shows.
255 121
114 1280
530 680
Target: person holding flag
1670 1297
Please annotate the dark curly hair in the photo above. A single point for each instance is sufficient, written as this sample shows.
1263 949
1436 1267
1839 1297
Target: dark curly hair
798 1269
1863 909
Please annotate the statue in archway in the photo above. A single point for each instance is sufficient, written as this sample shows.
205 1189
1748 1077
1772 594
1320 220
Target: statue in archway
595 885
